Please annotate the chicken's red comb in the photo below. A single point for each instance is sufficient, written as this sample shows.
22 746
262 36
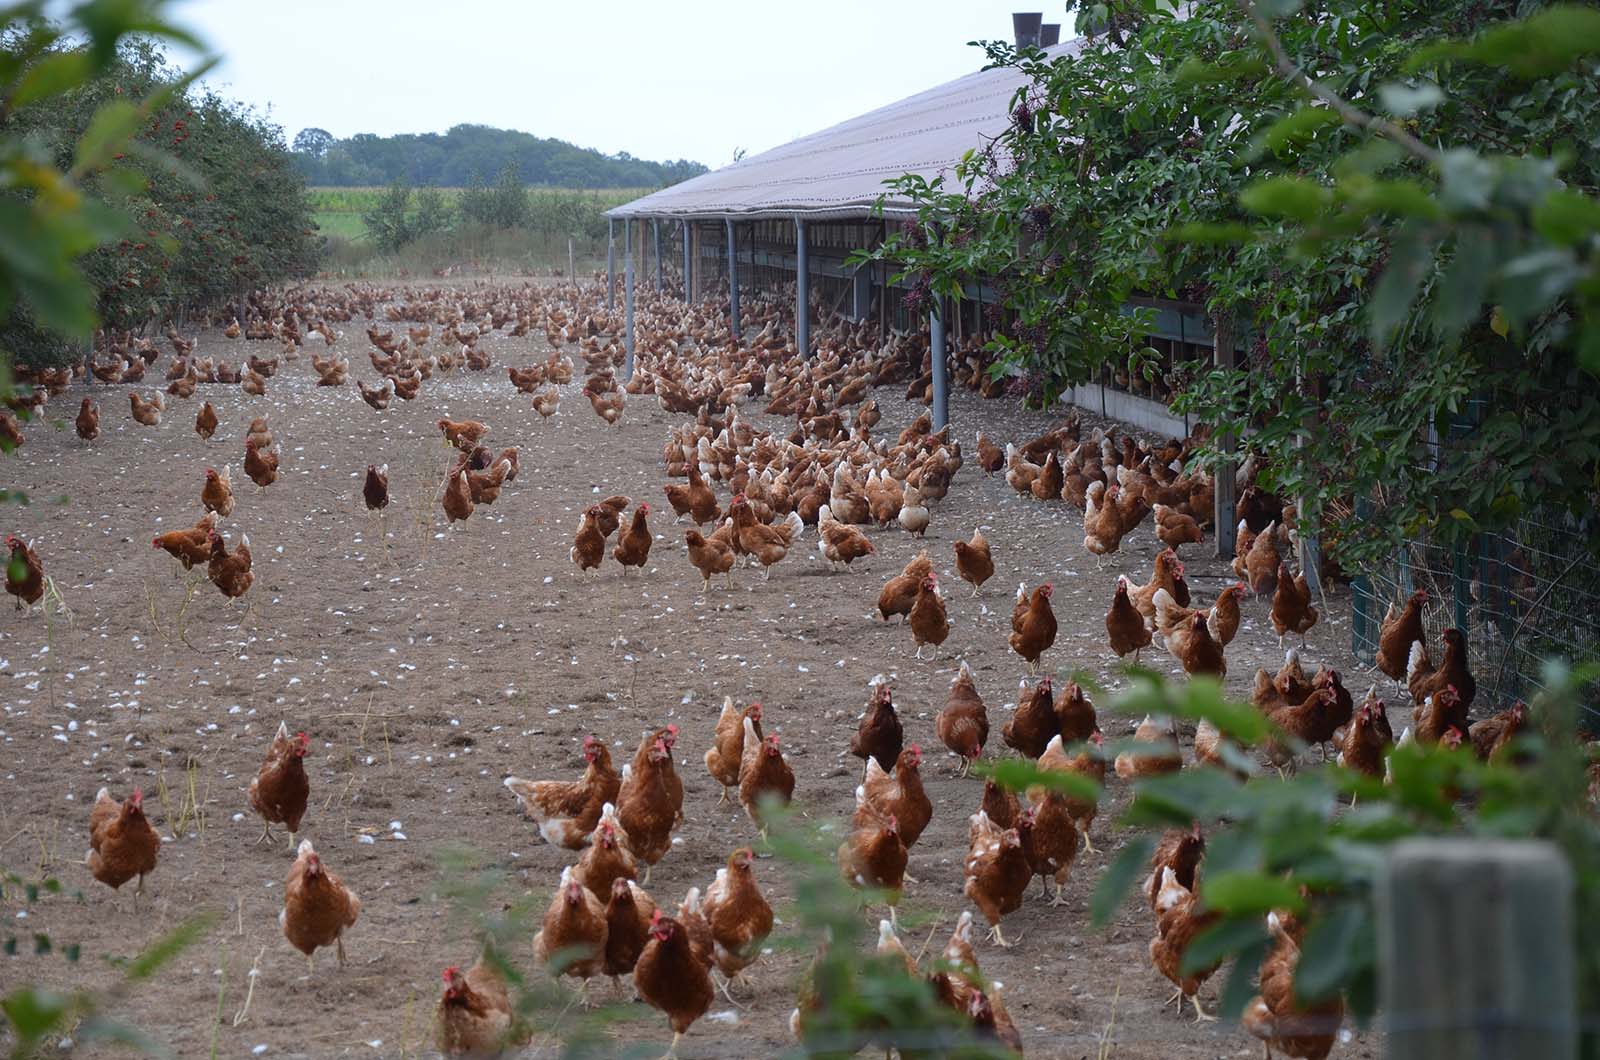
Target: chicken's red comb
451 972
137 798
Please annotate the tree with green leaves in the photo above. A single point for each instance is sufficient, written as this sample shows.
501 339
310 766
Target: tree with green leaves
1395 204
387 222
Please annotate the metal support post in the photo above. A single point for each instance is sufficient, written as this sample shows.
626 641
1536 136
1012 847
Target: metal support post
627 282
937 355
1223 479
611 265
802 290
655 237
733 280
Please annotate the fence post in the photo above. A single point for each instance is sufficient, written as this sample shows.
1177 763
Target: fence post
611 265
1476 953
572 262
627 331
802 290
1461 588
733 281
1363 638
938 354
1224 354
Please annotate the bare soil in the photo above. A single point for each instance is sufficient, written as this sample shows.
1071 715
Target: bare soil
428 663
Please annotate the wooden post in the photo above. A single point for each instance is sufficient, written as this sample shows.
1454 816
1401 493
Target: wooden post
1223 355
1476 957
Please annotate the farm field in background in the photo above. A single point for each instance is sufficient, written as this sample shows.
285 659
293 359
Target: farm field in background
338 211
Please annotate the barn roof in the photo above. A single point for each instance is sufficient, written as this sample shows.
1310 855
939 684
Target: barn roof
839 172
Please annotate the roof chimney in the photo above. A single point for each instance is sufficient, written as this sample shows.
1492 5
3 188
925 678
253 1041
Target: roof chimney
1025 25
1049 34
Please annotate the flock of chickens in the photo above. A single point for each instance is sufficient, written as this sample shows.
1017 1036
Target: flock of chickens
751 495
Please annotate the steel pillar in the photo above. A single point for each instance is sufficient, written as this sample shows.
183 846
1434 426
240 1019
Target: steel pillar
655 236
802 290
688 266
861 293
733 280
937 355
611 265
627 284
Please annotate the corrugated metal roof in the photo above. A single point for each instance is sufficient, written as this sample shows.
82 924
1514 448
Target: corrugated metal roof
839 172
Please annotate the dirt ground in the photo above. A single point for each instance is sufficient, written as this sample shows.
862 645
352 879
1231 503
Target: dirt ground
428 663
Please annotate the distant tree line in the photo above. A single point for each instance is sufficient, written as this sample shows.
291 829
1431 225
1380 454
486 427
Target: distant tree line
402 215
473 152
206 201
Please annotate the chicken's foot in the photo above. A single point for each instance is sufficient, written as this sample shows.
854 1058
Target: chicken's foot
1088 847
1000 940
1060 898
726 988
1200 1014
266 832
338 944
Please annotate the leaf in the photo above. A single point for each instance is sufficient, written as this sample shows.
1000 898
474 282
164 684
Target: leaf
1239 893
1015 774
1118 878
1467 179
1221 940
50 76
1545 44
1567 217
1290 197
174 942
1405 100
33 1011
1397 288
110 127
1338 942
1458 300
1298 127
1237 991
1497 322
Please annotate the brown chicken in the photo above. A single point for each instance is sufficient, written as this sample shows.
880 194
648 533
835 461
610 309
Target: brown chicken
670 978
547 402
991 457
122 844
205 421
1126 630
1036 632
574 929
1050 840
1181 853
763 774
317 906
1109 515
879 735
900 592
230 571
1441 713
695 499
1222 617
1365 744
377 396
1168 575
768 543
88 421
146 412
189 546
628 917
739 915
1491 738
929 624
838 543
1087 761
1291 606
633 544
645 804
1174 528
607 857
1303 722
874 856
217 493
997 872
1034 722
1000 804
280 789
1194 647
485 486
1075 717
710 556
1289 685
375 488
963 724
900 795
1159 755
24 572
1423 680
474 1017
1178 923
610 514
974 563
1276 1015
567 811
260 463
1261 563
726 755
608 406
1398 633
463 433
589 544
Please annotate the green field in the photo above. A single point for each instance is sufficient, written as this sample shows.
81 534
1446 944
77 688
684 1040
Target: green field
338 211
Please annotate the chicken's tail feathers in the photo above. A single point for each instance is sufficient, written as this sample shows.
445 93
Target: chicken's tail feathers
1415 658
283 731
305 848
797 526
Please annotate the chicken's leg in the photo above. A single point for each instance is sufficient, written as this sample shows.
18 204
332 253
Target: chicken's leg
1060 898
999 939
1088 847
672 1051
1200 1014
338 944
266 832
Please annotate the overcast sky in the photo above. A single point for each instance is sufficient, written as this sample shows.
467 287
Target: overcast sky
694 80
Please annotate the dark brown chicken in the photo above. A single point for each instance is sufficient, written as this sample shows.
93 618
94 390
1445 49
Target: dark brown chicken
375 490
280 789
122 844
880 734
